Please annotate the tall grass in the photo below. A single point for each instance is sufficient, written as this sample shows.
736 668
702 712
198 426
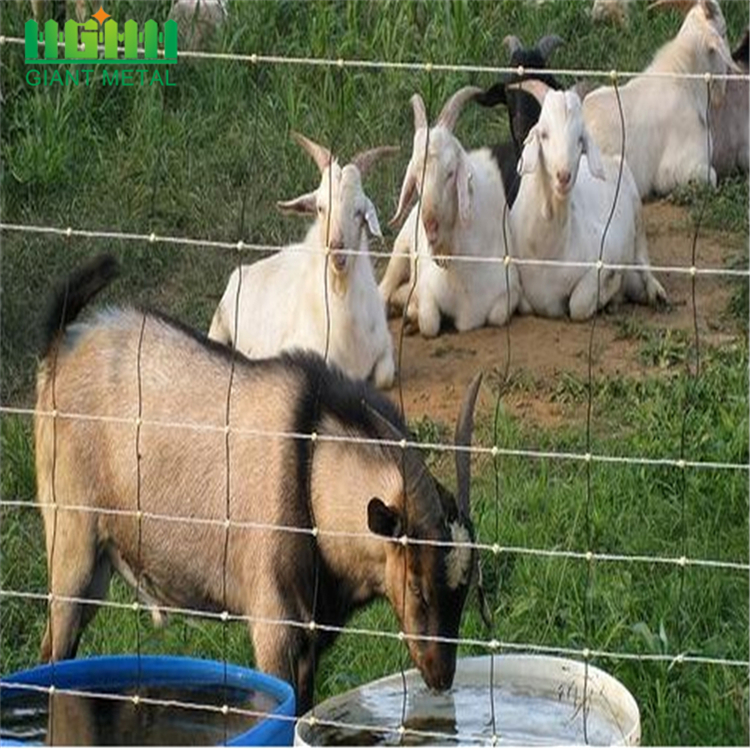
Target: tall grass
210 157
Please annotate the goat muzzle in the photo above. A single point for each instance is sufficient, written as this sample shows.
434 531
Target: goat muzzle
338 259
438 666
431 228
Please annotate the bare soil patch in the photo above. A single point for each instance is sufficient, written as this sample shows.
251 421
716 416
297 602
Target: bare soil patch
435 372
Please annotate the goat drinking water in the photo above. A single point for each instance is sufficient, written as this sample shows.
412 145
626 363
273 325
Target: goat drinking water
162 517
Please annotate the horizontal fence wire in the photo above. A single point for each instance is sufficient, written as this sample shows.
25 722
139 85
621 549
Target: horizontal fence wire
491 645
143 700
424 67
405 540
311 249
493 450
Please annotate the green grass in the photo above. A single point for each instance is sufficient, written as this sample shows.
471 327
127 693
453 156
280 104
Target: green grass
210 157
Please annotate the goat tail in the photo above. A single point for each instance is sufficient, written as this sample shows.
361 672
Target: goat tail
73 294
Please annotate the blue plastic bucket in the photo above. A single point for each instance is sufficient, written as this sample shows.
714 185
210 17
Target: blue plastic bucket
114 674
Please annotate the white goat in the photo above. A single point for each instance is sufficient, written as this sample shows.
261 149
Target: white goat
729 121
666 133
462 205
561 212
287 301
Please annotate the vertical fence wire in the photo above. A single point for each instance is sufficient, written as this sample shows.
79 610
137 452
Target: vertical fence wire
404 318
336 139
52 542
691 379
138 517
234 352
502 389
589 590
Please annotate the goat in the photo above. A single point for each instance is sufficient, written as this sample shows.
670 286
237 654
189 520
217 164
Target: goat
102 512
283 302
729 120
561 212
666 131
198 20
462 197
523 108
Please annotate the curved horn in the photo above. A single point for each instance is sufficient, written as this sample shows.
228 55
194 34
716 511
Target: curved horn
365 159
512 43
452 108
548 44
321 155
538 89
420 113
684 6
408 188
464 428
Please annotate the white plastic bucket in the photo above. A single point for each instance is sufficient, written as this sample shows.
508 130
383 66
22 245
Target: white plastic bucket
537 700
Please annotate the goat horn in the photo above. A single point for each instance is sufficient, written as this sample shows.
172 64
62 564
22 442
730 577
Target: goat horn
420 113
682 5
538 89
464 428
548 44
321 155
512 43
452 108
365 159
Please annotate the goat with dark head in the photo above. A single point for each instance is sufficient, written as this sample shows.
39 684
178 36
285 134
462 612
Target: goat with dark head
523 108
168 520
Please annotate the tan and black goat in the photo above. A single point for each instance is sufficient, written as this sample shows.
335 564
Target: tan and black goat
146 381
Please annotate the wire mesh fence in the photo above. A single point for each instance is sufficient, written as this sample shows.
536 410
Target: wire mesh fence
683 462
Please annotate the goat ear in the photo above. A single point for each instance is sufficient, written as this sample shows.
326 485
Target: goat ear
382 520
495 94
463 189
530 154
408 188
719 48
596 167
710 9
371 217
305 204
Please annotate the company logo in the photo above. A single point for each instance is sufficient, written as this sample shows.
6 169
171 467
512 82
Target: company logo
99 41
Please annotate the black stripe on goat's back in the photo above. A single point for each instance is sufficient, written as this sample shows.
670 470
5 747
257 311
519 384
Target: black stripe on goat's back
352 402
222 350
329 392
72 294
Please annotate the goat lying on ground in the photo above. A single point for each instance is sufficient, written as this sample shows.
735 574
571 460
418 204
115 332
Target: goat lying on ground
460 212
666 130
167 519
285 301
562 210
729 121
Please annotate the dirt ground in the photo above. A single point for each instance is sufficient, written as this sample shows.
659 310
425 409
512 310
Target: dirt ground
435 372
